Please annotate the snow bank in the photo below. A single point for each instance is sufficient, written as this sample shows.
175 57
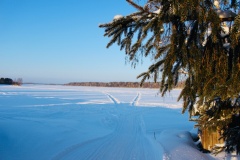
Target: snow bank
179 145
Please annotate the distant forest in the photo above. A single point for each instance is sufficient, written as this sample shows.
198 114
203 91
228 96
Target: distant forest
120 84
9 81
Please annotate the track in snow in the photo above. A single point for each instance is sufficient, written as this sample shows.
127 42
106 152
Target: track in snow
136 100
128 141
112 98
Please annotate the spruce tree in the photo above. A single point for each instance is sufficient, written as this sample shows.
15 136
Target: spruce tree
195 38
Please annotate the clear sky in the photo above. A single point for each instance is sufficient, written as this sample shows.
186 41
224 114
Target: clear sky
59 41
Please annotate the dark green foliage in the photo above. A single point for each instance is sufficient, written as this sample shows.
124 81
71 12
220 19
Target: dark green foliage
231 135
187 37
6 81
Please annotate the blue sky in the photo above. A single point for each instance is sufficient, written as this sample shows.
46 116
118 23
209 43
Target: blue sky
59 41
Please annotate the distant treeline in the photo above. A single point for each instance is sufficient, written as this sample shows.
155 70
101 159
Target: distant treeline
9 81
119 84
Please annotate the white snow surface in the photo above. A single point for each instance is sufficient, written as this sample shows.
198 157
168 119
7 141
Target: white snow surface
47 122
117 17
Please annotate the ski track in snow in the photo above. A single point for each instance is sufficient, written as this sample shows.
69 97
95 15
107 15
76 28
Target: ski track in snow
128 141
112 98
136 99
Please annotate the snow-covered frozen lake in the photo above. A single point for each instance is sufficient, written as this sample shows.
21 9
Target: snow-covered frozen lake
47 122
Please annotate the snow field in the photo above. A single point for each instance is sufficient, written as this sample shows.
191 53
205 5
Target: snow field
72 123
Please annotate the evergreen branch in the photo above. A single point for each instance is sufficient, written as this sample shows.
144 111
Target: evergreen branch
135 5
161 50
145 76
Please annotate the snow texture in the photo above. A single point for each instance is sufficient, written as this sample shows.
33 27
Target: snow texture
216 4
225 29
41 122
157 11
117 17
225 13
